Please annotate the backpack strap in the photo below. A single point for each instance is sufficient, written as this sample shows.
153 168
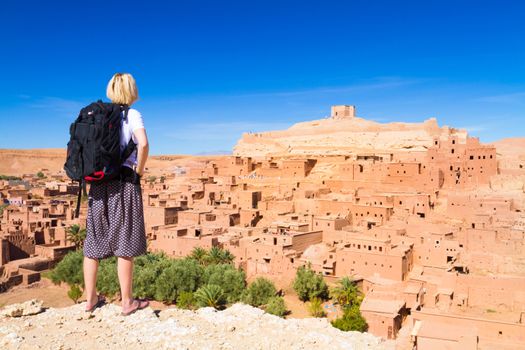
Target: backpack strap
79 198
131 146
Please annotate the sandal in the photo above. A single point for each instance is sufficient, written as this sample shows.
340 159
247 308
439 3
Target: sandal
101 301
141 304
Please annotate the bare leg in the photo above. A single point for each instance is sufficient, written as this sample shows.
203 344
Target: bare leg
90 281
125 277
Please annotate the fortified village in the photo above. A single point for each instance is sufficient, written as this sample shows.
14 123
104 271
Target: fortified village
428 220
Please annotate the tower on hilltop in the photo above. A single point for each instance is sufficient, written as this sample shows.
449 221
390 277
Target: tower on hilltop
343 112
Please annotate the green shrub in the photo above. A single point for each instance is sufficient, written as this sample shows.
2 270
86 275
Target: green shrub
352 320
308 284
185 300
107 278
40 175
180 275
74 293
276 306
226 276
315 307
146 270
259 292
10 178
69 270
210 295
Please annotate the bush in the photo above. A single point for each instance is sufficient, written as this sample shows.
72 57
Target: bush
352 320
210 295
146 271
226 276
74 293
308 284
10 178
276 306
185 300
316 307
259 292
40 175
180 275
69 270
107 278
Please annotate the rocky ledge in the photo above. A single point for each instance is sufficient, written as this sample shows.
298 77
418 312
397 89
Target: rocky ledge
237 327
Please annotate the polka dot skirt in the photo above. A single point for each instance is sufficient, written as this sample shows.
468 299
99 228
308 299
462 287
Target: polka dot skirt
115 220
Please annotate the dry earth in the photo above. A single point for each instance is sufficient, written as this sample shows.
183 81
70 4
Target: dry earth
237 327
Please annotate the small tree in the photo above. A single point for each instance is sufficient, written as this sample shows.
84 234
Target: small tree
76 235
352 320
199 254
276 306
259 292
74 293
210 295
346 292
308 284
40 175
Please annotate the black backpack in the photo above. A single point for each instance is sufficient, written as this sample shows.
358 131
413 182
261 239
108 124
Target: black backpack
93 150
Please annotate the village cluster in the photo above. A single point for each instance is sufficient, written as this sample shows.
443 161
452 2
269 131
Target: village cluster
430 244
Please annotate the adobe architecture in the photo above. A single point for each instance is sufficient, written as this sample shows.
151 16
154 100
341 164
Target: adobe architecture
36 213
429 221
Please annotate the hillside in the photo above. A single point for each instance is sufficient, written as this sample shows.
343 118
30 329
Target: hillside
330 136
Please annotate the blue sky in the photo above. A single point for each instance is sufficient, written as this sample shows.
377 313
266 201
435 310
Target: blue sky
209 70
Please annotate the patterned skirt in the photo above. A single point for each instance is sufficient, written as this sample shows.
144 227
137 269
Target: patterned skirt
115 220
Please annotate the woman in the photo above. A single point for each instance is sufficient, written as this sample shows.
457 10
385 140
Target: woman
115 219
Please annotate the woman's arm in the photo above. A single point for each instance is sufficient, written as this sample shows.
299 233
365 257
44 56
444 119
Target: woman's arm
142 149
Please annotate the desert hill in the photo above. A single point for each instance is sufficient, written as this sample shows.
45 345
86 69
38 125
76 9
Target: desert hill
17 162
348 134
30 161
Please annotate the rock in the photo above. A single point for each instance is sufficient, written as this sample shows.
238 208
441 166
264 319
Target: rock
30 307
237 327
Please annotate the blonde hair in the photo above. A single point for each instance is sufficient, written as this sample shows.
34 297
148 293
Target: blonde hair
122 89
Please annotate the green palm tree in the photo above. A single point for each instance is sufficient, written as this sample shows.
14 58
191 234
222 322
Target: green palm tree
346 292
215 255
76 235
227 257
210 295
199 254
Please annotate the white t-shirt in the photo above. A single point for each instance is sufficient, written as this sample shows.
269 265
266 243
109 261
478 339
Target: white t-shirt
132 123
